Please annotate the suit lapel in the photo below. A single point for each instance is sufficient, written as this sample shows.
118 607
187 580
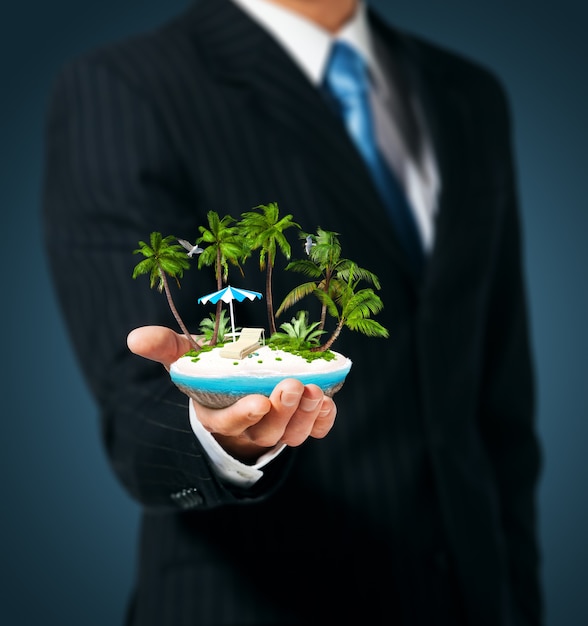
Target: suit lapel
444 117
445 120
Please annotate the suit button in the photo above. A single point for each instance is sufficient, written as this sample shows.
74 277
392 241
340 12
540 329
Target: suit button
187 498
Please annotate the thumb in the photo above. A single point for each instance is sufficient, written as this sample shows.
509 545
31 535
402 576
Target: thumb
158 343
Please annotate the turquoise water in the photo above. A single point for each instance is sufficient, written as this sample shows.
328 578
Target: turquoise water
239 385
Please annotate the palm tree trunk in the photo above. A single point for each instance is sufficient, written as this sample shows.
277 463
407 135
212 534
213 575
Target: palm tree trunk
217 316
331 340
219 304
323 319
179 320
269 297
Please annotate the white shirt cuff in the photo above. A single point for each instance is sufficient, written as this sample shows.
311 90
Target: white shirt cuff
225 466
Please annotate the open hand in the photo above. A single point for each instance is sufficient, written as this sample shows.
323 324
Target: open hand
292 413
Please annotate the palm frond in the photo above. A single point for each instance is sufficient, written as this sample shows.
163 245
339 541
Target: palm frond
359 273
306 267
368 327
143 267
155 238
144 249
294 296
326 300
363 304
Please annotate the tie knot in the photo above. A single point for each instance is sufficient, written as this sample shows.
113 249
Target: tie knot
346 73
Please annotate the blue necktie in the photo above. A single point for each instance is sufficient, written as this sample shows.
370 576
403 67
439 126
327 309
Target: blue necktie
347 82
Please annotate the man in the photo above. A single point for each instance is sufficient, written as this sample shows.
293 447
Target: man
417 504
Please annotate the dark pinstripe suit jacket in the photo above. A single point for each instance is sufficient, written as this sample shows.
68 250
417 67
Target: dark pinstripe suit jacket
420 503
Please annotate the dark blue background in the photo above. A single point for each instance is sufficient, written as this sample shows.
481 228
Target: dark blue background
67 528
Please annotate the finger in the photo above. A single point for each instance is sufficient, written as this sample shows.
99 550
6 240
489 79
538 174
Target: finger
325 418
158 343
285 401
235 419
301 423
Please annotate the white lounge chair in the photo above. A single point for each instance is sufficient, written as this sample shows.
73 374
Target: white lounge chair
249 340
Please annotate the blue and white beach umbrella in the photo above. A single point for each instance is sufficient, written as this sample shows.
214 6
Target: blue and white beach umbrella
228 294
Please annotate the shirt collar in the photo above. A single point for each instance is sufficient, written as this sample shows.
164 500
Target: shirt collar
307 43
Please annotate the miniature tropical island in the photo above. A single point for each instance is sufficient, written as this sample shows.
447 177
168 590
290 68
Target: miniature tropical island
224 364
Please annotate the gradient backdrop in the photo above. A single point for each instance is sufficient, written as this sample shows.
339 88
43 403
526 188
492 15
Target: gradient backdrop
67 529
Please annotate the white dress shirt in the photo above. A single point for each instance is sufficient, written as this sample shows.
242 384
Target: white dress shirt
309 46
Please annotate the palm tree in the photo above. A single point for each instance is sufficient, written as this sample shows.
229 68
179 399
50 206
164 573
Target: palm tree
355 310
162 259
328 272
225 245
263 230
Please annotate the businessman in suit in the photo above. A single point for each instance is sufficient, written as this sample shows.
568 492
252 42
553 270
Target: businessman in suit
415 505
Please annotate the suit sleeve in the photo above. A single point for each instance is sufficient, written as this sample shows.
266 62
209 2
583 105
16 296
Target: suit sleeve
508 400
112 177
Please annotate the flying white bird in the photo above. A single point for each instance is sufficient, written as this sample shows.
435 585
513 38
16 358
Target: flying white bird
308 244
192 250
